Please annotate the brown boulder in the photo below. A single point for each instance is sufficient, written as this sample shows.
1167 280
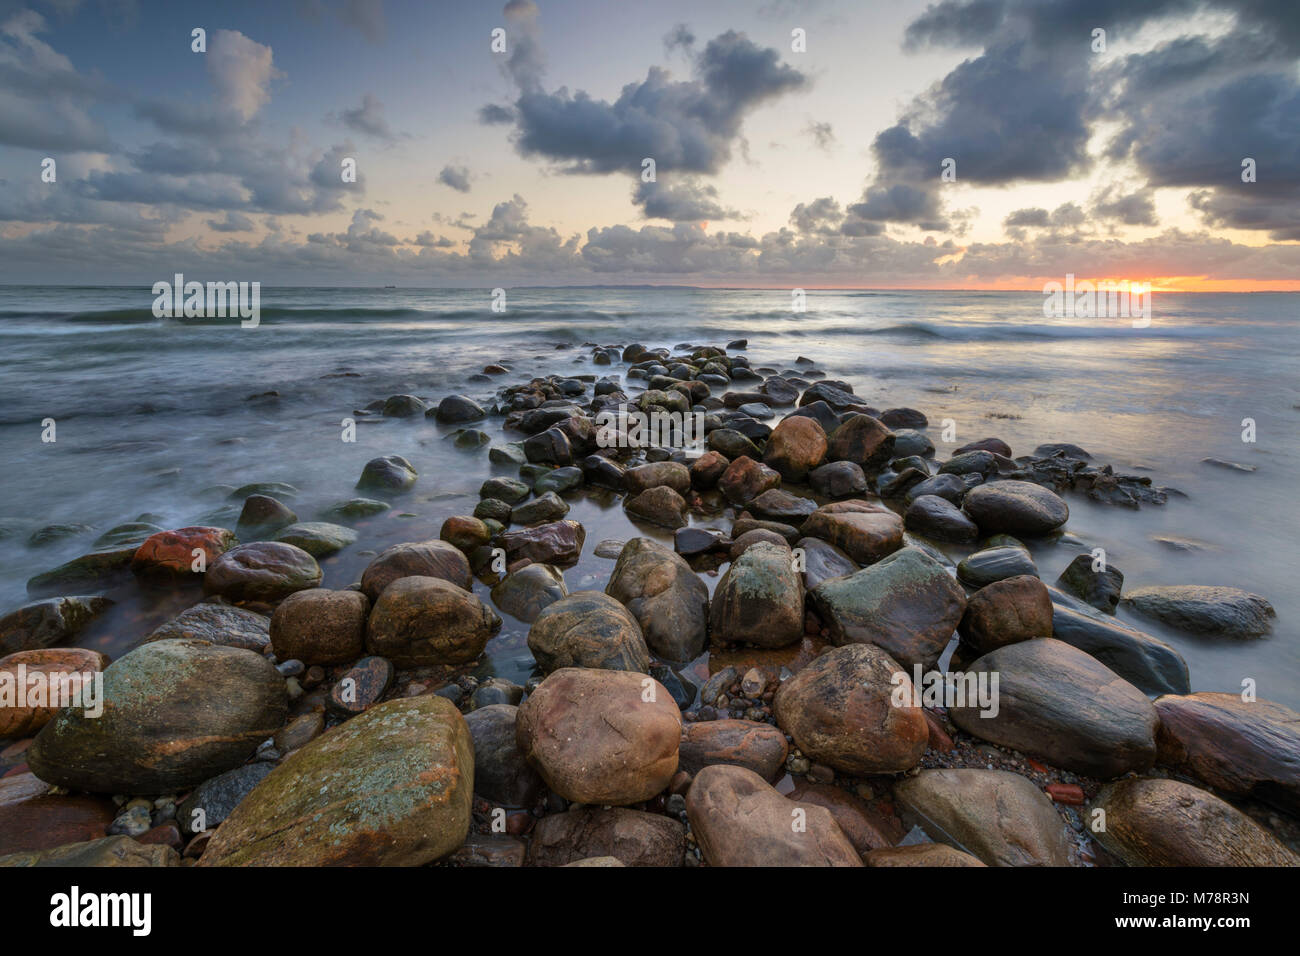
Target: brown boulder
863 440
852 709
746 479
740 820
796 446
632 837
420 620
602 737
1251 749
320 626
1007 612
863 530
557 542
666 597
34 685
262 571
737 743
920 854
171 553
425 559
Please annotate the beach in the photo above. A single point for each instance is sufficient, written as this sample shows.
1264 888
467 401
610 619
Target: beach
392 437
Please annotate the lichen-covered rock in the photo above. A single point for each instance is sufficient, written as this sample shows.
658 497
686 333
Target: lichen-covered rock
174 714
1216 611
391 787
759 600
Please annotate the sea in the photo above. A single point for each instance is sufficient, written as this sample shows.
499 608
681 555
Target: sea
163 416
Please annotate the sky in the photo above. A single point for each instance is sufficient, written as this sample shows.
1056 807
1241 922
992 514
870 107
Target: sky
973 144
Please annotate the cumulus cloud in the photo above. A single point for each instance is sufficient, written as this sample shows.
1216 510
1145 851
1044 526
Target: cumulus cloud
241 71
687 200
457 177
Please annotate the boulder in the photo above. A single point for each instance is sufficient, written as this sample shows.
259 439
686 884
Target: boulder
778 505
644 477
1015 507
216 623
865 531
1150 665
823 561
391 787
740 820
906 604
546 507
1157 822
558 542
601 736
994 564
737 743
666 597
920 854
391 473
852 709
838 479
113 851
320 626
1214 611
426 559
418 621
51 623
525 593
661 506
746 479
995 815
628 837
759 600
457 409
1006 612
501 774
1248 749
939 518
796 446
34 685
212 801
707 469
261 516
320 539
866 828
863 440
174 713
45 822
171 554
262 571
1058 703
1099 588
588 629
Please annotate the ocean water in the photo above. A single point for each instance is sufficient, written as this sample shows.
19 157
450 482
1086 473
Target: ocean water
153 414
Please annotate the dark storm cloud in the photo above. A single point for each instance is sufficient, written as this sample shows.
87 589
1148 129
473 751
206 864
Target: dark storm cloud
684 125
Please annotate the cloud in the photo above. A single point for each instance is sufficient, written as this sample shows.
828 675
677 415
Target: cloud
1132 209
44 101
687 200
457 177
241 72
368 118
234 222
822 133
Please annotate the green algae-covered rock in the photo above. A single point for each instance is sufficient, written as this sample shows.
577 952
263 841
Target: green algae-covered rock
175 713
110 851
759 600
320 539
90 570
392 786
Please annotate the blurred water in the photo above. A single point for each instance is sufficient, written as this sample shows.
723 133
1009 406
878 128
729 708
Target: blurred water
151 412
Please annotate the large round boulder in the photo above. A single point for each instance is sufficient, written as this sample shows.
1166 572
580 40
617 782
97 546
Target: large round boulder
426 559
601 736
391 787
796 446
1015 507
863 530
588 629
853 709
419 621
173 713
262 571
320 626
